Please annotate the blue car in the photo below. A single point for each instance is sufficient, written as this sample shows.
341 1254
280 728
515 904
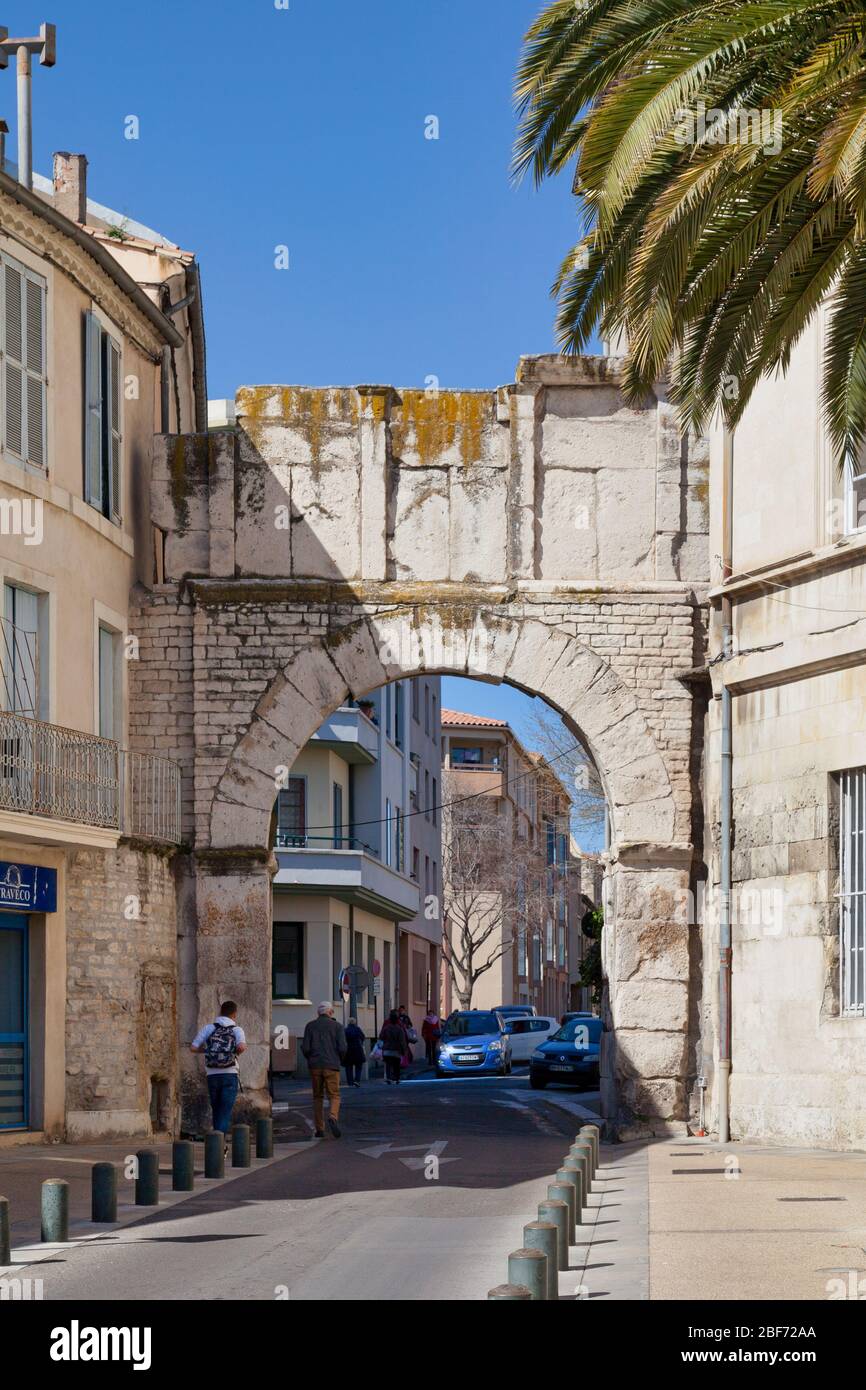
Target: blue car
476 1042
572 1055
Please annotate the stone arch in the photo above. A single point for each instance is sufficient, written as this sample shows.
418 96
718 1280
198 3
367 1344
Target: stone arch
524 651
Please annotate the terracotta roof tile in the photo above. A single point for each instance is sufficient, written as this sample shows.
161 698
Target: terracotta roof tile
454 717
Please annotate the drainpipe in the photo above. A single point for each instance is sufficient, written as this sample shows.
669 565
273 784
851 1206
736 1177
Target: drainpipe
727 798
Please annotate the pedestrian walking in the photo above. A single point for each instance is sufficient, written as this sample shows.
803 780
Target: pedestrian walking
431 1032
355 1053
409 1029
394 1047
324 1046
222 1042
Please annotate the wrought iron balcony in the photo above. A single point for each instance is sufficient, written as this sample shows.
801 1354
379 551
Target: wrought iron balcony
67 775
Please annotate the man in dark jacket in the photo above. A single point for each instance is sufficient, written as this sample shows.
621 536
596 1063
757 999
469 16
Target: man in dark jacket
324 1046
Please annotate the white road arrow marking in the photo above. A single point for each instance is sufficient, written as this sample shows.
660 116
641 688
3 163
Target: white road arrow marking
436 1147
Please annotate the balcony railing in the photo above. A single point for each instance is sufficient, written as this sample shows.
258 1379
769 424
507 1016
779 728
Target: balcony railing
46 770
290 839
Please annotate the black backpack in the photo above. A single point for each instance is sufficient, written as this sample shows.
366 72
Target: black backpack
221 1047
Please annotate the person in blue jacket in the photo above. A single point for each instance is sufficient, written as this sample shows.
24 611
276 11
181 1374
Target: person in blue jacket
356 1055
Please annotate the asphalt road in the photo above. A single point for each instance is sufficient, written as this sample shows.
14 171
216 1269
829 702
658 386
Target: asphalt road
422 1198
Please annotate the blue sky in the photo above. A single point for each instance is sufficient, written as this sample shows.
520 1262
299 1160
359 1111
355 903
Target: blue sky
305 127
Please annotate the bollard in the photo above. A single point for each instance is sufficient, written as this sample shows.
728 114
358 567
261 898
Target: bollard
584 1145
583 1149
264 1137
564 1192
573 1170
557 1212
543 1236
5 1241
240 1146
529 1268
215 1155
103 1192
182 1166
591 1133
513 1292
147 1181
55 1210
587 1141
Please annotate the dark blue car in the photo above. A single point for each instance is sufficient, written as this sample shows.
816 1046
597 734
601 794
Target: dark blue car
572 1055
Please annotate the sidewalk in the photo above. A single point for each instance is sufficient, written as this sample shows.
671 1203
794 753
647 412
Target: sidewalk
24 1169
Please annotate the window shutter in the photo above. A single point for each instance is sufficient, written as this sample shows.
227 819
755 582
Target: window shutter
93 410
13 374
34 347
112 426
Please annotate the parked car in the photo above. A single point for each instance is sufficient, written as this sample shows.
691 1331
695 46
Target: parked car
516 1010
570 1055
474 1041
566 1018
527 1034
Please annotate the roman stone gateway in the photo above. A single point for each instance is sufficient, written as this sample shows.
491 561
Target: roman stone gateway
544 534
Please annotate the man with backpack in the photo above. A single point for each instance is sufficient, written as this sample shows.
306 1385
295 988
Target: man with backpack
222 1042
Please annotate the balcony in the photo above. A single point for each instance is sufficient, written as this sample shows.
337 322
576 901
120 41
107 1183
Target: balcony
349 871
56 777
482 778
349 734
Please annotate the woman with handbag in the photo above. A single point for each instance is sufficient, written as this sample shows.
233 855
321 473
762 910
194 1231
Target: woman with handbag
394 1047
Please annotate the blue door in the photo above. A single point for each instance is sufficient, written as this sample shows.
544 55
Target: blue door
14 1086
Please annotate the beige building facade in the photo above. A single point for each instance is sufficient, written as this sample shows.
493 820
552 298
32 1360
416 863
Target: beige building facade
88 818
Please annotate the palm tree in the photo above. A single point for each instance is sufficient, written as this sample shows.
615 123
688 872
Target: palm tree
720 157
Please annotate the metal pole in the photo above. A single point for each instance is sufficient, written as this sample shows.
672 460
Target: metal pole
147 1181
103 1192
241 1146
264 1137
25 116
182 1166
726 809
215 1155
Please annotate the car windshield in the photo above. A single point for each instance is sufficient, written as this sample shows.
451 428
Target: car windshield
580 1031
470 1025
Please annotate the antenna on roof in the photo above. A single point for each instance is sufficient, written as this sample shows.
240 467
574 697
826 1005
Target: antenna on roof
46 47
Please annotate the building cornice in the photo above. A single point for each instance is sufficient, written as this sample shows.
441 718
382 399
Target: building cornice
70 247
798 569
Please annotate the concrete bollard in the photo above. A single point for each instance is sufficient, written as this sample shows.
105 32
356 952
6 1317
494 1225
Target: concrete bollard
591 1133
240 1146
264 1137
182 1166
573 1170
511 1292
583 1150
543 1236
147 1181
103 1193
585 1140
564 1192
529 1268
557 1212
5 1239
215 1155
55 1210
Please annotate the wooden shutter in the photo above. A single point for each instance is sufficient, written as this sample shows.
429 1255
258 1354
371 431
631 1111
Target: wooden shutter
93 410
13 371
34 347
111 414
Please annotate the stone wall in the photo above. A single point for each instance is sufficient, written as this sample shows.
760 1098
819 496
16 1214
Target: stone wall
121 1030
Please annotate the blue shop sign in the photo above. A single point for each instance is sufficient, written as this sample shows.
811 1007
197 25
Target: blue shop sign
27 888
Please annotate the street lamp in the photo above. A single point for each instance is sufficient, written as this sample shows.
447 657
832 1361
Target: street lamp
46 47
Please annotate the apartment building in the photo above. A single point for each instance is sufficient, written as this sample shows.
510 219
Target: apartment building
98 355
357 848
585 892
529 809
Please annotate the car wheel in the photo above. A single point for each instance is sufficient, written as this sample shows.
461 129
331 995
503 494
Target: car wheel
536 1083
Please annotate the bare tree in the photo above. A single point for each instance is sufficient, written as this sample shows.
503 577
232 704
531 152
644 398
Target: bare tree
493 887
575 769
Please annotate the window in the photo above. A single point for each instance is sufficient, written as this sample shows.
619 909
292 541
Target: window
852 891
416 863
338 815
386 972
23 347
416 702
427 874
389 702
389 835
522 960
288 960
22 667
102 454
109 683
434 809
466 755
419 978
426 709
426 795
371 956
399 841
336 958
292 813
433 717
398 715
